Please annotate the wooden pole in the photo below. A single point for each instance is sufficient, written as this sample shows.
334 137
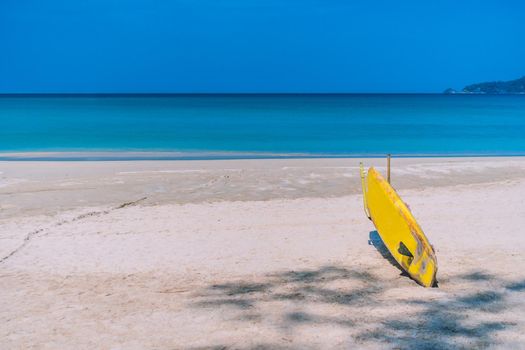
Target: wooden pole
388 167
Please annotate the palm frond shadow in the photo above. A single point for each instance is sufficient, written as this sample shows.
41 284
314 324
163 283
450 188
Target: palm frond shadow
443 322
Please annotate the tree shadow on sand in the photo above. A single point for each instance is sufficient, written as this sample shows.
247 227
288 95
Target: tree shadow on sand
449 322
468 318
302 285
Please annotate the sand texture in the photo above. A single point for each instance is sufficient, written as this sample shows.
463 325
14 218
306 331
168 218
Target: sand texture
256 254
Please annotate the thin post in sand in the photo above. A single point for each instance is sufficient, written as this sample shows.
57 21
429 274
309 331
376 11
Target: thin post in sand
388 156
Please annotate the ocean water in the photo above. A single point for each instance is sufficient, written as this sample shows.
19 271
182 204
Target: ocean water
266 125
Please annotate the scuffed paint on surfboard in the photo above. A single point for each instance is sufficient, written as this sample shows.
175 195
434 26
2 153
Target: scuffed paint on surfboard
399 230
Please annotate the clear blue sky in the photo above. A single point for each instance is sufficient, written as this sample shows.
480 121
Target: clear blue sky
258 45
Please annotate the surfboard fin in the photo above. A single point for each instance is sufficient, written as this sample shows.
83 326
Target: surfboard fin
403 250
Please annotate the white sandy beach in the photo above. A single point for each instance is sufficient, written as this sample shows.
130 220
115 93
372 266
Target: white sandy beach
256 254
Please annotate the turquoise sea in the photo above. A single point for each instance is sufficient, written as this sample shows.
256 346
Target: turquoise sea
232 126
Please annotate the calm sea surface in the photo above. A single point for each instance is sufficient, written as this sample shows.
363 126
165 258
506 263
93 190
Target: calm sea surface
315 125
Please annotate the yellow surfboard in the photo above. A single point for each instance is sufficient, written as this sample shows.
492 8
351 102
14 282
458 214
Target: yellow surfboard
398 229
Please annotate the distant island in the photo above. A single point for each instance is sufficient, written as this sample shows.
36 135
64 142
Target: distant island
516 86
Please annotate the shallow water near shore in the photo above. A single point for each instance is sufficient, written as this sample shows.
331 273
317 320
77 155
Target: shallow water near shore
264 126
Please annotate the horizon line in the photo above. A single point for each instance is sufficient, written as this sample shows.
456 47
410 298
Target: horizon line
206 93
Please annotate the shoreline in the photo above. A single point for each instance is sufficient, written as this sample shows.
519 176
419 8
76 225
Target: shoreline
125 155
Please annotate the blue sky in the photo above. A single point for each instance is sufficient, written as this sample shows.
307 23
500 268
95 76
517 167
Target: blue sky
258 45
